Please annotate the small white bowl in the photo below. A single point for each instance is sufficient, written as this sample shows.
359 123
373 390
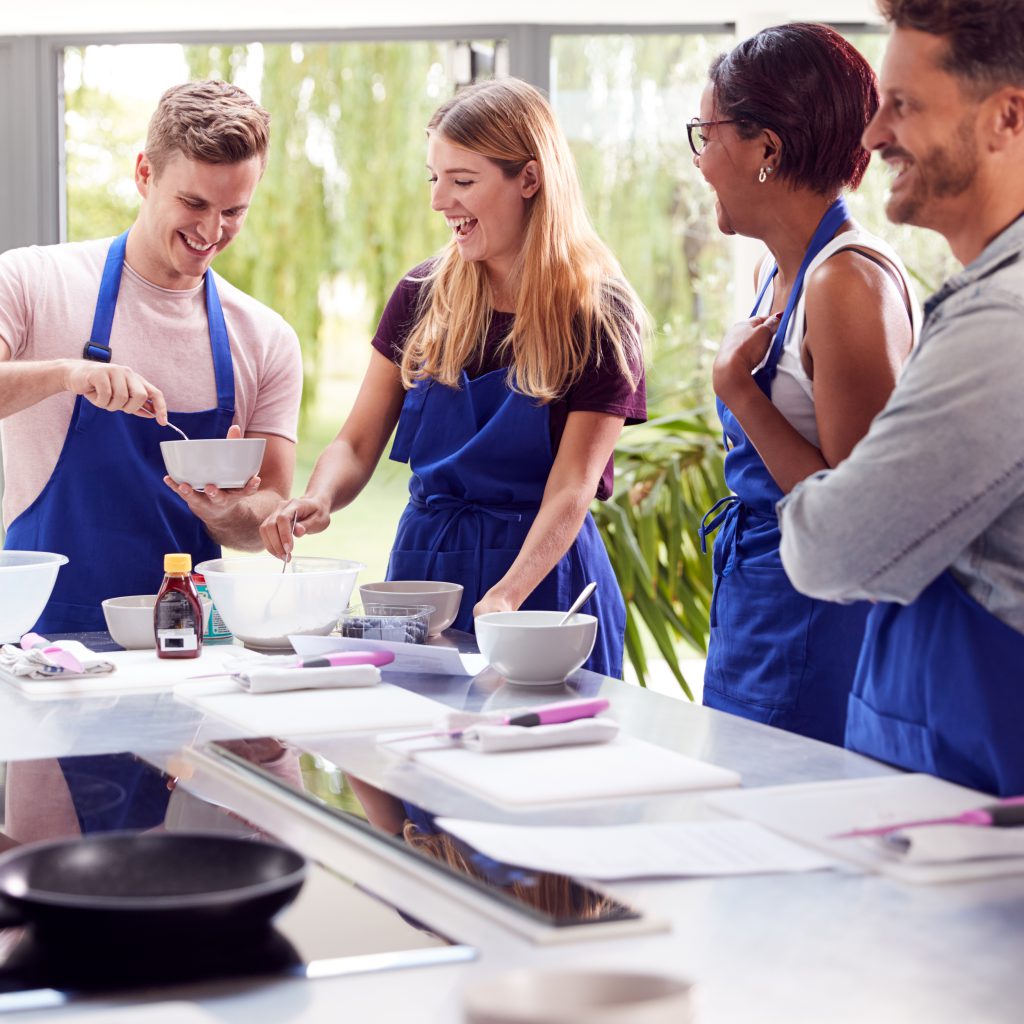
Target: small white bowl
220 461
573 996
531 648
130 620
26 582
444 598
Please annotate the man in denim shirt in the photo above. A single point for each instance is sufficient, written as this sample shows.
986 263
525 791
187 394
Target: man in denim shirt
926 516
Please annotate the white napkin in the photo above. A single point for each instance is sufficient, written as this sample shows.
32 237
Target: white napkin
493 739
256 677
36 664
936 844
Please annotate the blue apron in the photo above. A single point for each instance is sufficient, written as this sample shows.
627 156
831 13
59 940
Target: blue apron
938 690
775 655
480 457
115 791
105 505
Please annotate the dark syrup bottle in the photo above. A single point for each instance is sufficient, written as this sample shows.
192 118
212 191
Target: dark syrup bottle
177 614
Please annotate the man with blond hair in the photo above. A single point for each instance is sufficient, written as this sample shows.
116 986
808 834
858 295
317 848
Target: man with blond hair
102 342
926 516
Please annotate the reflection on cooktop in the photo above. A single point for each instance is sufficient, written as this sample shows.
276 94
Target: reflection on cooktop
332 928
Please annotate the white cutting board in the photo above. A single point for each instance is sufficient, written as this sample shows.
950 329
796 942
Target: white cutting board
625 767
304 712
136 671
813 812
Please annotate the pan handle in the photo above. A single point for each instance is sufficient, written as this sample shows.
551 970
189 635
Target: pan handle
11 915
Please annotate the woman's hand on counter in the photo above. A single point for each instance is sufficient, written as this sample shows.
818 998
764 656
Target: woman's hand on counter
493 601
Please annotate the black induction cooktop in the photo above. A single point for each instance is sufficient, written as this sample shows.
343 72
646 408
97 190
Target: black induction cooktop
332 928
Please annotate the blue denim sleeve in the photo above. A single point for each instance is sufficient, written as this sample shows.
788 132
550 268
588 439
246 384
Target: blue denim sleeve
938 481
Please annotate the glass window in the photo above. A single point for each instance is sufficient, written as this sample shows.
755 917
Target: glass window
342 212
624 101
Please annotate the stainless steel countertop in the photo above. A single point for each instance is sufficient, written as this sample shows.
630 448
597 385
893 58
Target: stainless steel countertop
831 946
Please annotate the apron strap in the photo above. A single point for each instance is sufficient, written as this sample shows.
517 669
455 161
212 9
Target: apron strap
97 348
220 346
829 224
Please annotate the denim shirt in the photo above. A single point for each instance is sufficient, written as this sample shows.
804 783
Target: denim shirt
938 482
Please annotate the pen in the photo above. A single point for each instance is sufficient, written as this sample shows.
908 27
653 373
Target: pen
1007 813
547 714
333 659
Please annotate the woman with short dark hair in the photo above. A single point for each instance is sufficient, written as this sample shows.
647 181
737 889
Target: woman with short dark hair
798 384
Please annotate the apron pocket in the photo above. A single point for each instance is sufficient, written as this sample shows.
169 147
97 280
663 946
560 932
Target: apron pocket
758 649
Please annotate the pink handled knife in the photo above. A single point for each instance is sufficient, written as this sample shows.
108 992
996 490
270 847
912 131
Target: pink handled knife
1007 813
547 714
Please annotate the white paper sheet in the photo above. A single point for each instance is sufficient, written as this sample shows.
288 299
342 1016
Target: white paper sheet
323 712
430 659
814 812
625 767
651 850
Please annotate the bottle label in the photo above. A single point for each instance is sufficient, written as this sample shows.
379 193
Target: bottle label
177 639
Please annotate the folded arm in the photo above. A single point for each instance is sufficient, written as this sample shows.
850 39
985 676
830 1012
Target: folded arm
940 464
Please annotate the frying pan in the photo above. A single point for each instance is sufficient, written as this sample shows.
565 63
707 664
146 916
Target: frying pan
158 887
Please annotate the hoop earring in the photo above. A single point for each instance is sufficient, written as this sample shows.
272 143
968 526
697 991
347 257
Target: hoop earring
763 174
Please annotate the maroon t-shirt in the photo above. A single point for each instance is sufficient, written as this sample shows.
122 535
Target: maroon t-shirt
600 389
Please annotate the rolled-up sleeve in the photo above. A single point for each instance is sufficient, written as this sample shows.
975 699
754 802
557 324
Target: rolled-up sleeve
939 466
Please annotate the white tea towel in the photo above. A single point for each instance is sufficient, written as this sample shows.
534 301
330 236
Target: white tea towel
256 679
37 664
493 739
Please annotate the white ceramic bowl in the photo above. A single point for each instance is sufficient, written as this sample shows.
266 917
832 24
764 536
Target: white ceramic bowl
130 620
444 598
531 648
262 606
26 582
223 462
572 996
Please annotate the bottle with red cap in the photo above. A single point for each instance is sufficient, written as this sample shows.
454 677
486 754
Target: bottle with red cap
177 614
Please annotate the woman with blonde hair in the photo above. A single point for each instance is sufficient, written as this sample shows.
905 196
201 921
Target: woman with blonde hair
509 362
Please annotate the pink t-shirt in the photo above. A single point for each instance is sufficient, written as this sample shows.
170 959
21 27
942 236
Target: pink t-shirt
47 300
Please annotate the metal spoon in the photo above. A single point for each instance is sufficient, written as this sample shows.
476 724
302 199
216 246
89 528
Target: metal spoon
178 430
578 603
288 554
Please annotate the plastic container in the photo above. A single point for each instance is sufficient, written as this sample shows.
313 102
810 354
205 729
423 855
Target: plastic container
404 624
177 614
444 598
215 631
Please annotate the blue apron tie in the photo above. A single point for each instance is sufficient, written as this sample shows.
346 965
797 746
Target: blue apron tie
775 656
459 508
706 528
105 505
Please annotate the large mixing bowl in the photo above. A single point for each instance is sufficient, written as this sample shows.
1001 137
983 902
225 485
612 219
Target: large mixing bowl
262 606
26 582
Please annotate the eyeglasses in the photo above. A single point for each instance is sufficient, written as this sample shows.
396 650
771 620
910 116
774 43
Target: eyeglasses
693 129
